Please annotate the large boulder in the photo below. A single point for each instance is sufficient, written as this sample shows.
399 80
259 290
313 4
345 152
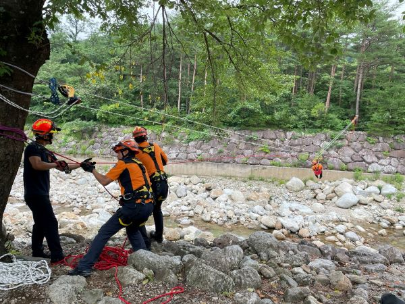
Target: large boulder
295 184
347 200
159 264
343 188
224 260
205 277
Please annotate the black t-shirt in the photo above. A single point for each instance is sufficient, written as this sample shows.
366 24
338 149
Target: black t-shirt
36 182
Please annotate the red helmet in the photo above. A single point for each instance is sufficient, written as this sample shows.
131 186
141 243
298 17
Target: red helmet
139 131
126 144
44 126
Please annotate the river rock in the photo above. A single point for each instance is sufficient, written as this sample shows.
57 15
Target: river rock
295 184
347 200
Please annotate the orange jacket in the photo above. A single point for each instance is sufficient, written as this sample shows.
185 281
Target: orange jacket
317 167
146 159
129 176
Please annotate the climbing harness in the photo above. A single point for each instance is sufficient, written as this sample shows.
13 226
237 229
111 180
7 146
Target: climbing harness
142 193
159 175
19 273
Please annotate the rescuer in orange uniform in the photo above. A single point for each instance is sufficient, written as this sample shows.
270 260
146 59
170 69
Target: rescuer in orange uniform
153 157
317 168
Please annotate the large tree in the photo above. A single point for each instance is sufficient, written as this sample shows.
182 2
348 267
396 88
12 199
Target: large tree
24 43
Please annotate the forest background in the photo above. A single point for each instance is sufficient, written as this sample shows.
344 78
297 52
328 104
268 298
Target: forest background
161 75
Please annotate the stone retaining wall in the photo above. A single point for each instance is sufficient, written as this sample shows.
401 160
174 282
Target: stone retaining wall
272 148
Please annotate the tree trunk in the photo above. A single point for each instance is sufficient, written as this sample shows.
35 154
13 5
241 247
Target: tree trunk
179 99
17 20
300 82
205 79
141 86
192 83
311 82
165 91
294 90
332 77
359 87
356 80
342 74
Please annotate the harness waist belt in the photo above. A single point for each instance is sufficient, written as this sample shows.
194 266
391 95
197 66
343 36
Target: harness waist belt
142 193
158 176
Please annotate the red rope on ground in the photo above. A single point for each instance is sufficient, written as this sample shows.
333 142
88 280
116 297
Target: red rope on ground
171 293
114 257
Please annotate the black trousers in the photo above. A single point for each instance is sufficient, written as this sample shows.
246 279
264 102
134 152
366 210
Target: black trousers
45 226
135 214
160 192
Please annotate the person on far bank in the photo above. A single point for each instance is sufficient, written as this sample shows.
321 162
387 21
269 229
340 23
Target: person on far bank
38 160
136 201
153 157
317 168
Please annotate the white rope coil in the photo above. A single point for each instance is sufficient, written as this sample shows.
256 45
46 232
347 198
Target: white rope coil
19 273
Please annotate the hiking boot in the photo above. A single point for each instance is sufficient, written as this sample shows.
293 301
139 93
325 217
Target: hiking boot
155 237
41 255
58 260
78 272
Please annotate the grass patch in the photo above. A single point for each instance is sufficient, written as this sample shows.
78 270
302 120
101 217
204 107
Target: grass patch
371 140
264 149
343 167
358 174
399 209
396 180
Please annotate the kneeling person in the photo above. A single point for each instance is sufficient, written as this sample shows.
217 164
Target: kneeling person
136 201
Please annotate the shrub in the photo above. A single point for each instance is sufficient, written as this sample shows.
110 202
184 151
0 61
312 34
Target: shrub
264 149
358 174
371 140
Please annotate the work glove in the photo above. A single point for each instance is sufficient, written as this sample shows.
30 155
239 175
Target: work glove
87 165
61 165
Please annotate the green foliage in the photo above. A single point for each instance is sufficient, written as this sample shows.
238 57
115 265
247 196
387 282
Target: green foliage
400 195
343 167
303 157
358 174
396 180
399 209
371 140
386 153
78 129
265 149
376 175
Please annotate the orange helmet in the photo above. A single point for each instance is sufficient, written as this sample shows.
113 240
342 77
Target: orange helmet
129 144
44 126
139 131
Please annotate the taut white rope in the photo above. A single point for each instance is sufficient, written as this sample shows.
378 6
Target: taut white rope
19 273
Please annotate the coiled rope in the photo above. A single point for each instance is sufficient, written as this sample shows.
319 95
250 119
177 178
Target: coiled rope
19 273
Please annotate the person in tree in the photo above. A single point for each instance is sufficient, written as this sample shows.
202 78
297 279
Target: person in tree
37 162
317 168
153 157
136 200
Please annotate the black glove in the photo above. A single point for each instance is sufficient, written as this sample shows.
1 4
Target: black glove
88 165
61 165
